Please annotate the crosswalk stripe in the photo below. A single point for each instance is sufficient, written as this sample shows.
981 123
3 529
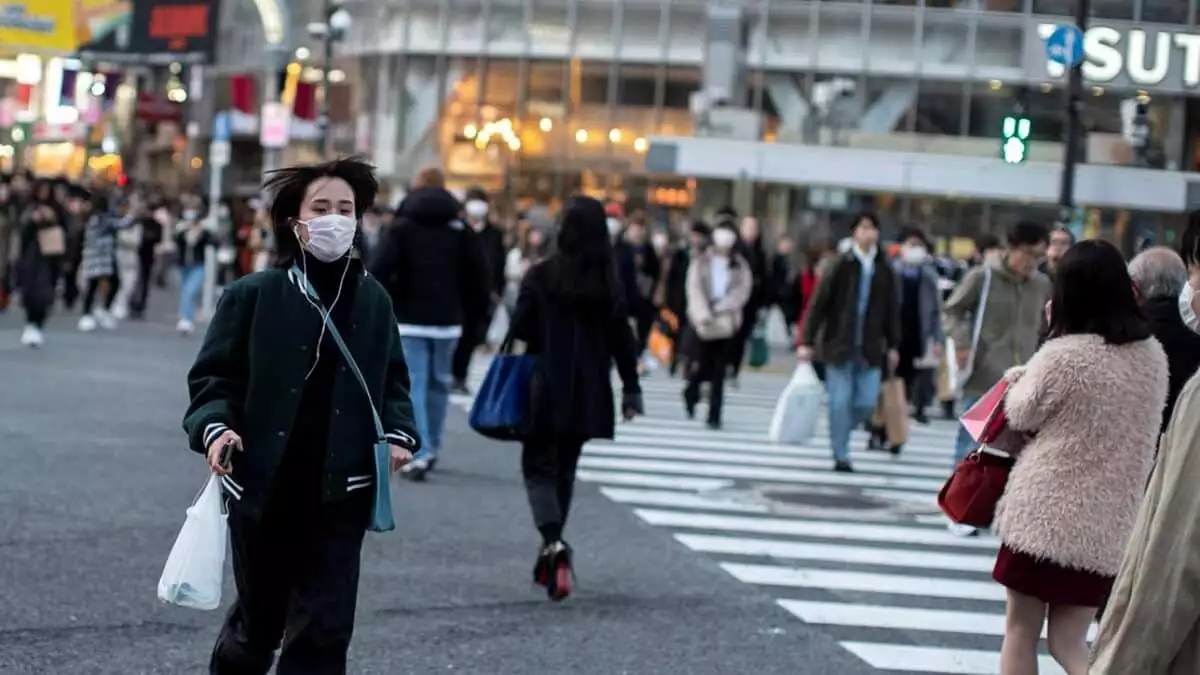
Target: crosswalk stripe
677 499
644 480
893 534
866 582
911 456
862 555
753 473
908 658
901 618
756 459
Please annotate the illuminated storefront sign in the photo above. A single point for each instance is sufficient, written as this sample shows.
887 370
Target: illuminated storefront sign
46 26
1134 58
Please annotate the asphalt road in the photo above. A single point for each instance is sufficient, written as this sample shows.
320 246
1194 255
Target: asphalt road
95 478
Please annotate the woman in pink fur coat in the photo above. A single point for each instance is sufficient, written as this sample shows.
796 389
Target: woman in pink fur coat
1092 400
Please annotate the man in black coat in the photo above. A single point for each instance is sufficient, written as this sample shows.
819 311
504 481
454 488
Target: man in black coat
491 240
434 269
1159 274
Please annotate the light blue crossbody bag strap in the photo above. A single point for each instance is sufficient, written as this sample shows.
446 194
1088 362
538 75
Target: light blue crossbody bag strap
381 513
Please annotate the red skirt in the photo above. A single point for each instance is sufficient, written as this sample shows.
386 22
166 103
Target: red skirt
1050 582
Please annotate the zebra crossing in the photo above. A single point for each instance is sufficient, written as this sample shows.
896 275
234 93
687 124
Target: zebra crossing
866 556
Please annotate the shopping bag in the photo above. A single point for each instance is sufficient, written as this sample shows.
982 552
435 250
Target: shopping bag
893 408
986 418
503 404
498 328
661 342
798 408
193 575
760 351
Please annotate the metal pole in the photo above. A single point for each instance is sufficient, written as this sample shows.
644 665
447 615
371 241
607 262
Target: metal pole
272 157
326 66
208 297
1066 198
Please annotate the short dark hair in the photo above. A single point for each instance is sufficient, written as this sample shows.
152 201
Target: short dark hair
864 215
1064 230
1189 244
911 232
287 187
1028 233
1093 294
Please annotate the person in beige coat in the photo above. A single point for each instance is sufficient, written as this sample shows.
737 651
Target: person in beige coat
719 283
1091 400
1151 625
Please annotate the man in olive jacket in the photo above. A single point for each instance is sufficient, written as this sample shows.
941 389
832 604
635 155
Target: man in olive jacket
856 313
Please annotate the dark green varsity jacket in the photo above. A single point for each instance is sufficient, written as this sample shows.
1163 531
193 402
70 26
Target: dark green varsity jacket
250 372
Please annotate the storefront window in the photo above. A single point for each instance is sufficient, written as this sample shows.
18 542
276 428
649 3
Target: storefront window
1165 11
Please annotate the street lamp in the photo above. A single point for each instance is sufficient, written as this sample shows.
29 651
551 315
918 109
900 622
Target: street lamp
333 29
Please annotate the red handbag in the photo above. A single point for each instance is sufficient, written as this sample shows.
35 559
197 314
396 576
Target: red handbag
970 495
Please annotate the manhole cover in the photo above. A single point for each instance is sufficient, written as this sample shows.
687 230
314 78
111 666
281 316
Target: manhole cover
824 500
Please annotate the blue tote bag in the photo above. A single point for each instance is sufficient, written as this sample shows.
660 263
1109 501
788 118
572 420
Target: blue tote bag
503 405
381 509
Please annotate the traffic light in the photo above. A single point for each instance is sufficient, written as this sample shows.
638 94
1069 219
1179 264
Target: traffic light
1015 148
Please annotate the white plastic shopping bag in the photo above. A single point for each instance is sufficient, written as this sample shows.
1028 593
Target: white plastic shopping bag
498 330
798 408
195 568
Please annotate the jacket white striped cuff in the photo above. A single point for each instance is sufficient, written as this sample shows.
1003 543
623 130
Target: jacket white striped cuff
211 432
401 438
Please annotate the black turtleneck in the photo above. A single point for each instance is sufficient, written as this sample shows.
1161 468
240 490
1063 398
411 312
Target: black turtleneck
303 462
1181 345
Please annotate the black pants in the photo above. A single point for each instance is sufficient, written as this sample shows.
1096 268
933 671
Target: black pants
737 352
548 465
645 323
141 293
40 291
297 581
710 365
70 284
93 286
474 334
918 385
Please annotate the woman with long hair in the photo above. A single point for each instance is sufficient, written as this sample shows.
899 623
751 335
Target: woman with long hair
1091 399
282 416
571 314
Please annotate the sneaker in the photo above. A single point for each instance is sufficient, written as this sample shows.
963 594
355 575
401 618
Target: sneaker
31 336
87 323
106 319
120 313
418 468
713 425
843 467
186 327
460 387
960 530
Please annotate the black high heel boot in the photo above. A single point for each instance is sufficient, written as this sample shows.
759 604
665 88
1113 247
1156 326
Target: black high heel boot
561 575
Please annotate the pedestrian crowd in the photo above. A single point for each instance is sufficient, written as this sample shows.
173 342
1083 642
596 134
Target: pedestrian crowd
343 325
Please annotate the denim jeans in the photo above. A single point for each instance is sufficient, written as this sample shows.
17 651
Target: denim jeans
191 282
429 362
853 394
964 443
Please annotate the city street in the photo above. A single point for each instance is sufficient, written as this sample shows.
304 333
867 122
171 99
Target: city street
698 552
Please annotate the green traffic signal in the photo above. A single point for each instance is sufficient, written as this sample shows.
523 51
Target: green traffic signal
1015 133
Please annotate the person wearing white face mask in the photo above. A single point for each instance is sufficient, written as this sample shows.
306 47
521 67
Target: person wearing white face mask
294 434
719 283
475 328
921 335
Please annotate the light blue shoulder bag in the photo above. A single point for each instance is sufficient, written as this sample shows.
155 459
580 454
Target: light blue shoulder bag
381 510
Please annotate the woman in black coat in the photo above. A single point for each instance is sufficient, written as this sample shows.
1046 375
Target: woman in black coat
571 313
283 419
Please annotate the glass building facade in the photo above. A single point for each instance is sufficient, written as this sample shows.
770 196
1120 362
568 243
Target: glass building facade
538 99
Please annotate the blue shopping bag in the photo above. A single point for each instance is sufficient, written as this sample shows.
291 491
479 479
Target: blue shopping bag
503 404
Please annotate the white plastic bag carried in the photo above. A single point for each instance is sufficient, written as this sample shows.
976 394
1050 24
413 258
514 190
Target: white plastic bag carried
798 408
195 569
498 330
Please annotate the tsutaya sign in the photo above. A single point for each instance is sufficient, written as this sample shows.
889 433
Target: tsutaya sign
1126 57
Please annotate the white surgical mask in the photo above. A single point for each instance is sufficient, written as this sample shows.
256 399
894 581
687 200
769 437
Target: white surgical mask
1187 311
476 209
659 240
330 236
724 239
914 255
614 227
190 214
